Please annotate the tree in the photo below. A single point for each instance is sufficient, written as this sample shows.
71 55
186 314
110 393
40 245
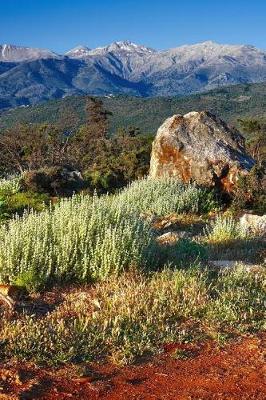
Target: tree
68 119
91 144
28 147
97 118
256 137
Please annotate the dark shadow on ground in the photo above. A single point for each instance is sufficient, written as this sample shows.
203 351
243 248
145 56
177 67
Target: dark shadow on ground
246 250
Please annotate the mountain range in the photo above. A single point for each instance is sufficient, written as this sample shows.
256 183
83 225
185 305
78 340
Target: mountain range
29 75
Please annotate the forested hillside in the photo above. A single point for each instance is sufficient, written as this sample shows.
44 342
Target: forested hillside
231 103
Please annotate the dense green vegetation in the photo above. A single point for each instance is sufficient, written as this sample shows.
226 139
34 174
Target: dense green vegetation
87 238
135 293
13 200
229 103
143 295
107 140
58 162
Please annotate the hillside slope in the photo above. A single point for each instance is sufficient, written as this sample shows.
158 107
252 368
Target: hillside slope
229 103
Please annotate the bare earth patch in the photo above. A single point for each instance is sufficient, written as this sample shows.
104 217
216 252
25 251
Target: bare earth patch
183 372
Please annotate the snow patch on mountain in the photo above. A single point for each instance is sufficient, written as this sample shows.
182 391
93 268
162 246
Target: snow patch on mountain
78 52
122 47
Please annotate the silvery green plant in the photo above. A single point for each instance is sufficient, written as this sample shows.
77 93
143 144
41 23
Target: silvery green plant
89 238
225 228
164 196
81 239
9 186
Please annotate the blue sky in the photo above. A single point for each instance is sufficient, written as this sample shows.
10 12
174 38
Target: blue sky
63 24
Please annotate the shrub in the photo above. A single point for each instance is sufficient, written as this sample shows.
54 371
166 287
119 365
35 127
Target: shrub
238 300
165 196
55 181
81 239
13 200
22 201
250 191
224 229
88 238
103 180
3 209
10 186
187 252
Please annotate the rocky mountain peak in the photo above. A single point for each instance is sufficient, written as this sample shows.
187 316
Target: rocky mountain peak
13 53
126 67
78 52
122 47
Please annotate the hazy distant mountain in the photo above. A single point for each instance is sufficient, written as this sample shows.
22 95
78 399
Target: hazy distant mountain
28 76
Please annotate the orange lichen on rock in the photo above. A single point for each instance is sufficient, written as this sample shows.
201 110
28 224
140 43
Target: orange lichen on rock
202 148
175 161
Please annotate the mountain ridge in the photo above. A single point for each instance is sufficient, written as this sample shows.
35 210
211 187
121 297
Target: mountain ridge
125 45
30 75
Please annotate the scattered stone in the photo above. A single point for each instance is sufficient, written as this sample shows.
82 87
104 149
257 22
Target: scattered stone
10 294
200 147
255 224
14 292
224 263
168 222
233 263
170 237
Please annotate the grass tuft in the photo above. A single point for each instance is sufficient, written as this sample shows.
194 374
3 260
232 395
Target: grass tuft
135 315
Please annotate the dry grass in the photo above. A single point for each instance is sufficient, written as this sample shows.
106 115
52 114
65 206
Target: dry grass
133 315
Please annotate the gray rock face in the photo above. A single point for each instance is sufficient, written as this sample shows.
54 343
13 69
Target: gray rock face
199 147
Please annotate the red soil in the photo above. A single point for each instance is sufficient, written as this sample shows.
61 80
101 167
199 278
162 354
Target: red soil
237 371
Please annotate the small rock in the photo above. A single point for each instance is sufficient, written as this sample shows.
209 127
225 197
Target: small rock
12 291
10 295
233 263
255 224
224 263
168 238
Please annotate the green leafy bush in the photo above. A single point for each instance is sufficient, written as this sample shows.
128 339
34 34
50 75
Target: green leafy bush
187 252
10 186
8 189
13 200
250 192
26 201
3 209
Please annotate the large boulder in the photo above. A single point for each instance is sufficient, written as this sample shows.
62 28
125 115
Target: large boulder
199 147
